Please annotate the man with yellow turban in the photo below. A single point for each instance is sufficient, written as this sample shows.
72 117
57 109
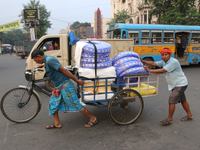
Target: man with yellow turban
177 83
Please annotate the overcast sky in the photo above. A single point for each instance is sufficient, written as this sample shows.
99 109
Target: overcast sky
63 12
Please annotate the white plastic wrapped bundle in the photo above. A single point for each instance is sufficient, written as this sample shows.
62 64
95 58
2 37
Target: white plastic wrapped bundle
126 64
91 65
121 61
92 59
125 54
102 47
103 55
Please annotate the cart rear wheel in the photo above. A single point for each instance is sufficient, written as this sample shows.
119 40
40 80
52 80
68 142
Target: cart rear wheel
49 85
125 107
149 59
22 56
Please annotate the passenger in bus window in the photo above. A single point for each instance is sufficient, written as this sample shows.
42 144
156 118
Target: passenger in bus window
177 83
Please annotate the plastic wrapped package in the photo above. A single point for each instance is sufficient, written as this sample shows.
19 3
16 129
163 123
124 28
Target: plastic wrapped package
134 71
92 59
121 61
101 73
127 65
125 54
102 47
103 55
91 65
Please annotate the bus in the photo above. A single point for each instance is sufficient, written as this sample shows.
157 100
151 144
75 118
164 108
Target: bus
150 39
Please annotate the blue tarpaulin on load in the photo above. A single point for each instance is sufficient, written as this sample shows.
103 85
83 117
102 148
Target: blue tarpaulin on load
72 38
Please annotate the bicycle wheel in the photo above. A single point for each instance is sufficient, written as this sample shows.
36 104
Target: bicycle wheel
17 107
125 107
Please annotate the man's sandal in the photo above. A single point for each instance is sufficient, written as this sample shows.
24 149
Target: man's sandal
166 122
53 127
186 118
91 124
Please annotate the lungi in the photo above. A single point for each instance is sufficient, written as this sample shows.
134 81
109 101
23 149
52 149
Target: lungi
66 101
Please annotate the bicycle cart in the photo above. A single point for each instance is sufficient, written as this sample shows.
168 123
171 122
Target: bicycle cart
124 100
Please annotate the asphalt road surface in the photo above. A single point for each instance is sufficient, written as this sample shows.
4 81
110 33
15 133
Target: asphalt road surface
145 134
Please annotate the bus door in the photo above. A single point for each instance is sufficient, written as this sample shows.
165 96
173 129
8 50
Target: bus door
182 47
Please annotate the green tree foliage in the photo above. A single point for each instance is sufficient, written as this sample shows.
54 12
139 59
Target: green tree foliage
120 17
76 27
10 37
175 12
44 23
77 24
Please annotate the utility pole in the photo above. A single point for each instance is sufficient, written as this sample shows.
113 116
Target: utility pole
35 22
34 4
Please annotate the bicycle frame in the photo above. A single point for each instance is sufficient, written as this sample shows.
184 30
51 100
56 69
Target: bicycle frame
31 90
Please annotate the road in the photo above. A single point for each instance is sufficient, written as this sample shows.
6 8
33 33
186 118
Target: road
145 134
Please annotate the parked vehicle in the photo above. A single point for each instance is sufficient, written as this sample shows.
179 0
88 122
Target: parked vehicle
23 48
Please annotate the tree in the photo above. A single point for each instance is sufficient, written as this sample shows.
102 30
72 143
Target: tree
44 23
75 25
175 12
120 17
76 28
10 37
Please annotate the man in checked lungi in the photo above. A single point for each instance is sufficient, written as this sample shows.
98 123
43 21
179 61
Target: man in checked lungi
64 97
177 83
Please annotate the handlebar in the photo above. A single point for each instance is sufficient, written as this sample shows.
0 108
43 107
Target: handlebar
30 73
36 69
39 70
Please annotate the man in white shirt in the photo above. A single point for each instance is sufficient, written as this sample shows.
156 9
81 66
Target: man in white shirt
177 83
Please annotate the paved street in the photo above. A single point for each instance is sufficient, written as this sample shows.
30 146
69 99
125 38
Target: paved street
145 134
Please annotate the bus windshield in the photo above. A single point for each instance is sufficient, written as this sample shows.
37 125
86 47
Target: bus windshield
116 34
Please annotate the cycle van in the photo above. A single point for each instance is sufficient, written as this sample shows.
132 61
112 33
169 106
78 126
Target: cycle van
124 102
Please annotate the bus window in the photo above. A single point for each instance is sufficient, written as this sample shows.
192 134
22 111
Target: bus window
168 37
134 35
156 37
145 37
117 34
195 38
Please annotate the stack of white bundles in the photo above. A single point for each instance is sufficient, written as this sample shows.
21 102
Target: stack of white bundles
85 59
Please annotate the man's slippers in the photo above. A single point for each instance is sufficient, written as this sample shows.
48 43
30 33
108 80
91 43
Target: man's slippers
166 122
186 118
53 127
91 124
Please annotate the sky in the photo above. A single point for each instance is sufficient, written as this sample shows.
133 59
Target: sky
63 12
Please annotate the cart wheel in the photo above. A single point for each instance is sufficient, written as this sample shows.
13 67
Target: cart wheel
149 59
49 85
125 107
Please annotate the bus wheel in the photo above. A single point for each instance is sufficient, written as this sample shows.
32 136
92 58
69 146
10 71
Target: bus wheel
148 59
